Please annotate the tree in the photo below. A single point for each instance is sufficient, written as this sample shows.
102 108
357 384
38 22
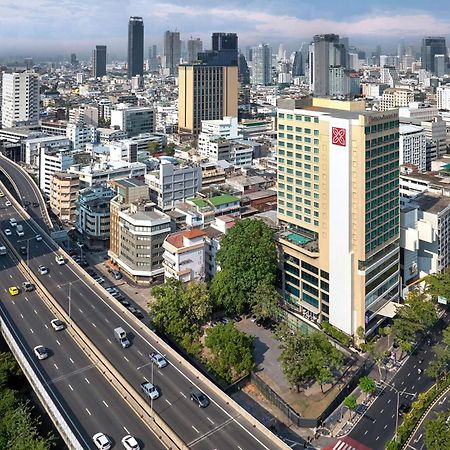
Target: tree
264 301
232 351
386 331
438 284
351 403
367 385
439 367
414 318
180 310
437 432
309 357
153 148
247 258
378 357
170 149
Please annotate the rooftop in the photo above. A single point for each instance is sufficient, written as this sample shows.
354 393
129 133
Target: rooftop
223 199
432 203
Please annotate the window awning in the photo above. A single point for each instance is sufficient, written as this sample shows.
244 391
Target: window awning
389 309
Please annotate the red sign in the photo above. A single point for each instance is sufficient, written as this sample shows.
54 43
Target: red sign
338 136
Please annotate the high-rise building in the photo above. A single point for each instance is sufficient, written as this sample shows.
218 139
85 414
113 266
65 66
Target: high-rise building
440 65
224 50
99 61
73 60
243 70
20 99
153 62
135 47
262 65
432 46
194 47
338 202
297 65
205 93
324 51
172 51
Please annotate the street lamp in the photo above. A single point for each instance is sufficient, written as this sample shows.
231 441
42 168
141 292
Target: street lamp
398 401
28 247
70 295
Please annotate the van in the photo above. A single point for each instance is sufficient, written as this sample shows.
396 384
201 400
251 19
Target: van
121 337
13 222
19 230
3 250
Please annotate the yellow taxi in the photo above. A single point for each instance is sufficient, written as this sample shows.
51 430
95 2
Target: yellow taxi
14 290
1 194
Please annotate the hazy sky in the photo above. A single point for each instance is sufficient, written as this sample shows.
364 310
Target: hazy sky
62 26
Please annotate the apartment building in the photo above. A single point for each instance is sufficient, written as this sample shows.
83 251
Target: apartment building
64 189
50 162
338 170
133 120
413 146
393 98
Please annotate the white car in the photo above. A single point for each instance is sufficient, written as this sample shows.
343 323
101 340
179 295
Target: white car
38 238
42 270
41 352
7 203
8 232
57 324
130 443
60 260
101 441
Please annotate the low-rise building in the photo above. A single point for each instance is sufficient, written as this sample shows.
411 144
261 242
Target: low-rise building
395 97
50 162
64 188
184 255
413 146
133 120
34 146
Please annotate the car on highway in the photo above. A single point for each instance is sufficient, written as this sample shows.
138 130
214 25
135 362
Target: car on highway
27 286
60 260
41 352
23 250
7 203
57 324
101 441
200 398
14 290
124 302
99 279
13 222
158 359
116 274
150 390
38 238
26 203
2 194
35 204
8 232
42 270
403 409
130 443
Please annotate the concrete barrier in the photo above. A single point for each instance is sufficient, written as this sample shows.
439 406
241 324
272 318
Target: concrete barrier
174 356
61 424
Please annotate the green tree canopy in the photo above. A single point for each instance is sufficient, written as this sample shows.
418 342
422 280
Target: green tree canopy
232 351
437 432
264 301
414 318
439 367
350 402
306 357
367 385
438 284
247 258
180 310
153 148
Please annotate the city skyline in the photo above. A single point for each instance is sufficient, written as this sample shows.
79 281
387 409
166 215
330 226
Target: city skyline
50 27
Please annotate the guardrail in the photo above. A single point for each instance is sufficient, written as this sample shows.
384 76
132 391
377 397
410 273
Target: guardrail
57 418
174 356
35 188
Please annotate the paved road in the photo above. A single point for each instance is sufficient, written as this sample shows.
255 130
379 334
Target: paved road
88 404
219 426
28 191
377 426
417 441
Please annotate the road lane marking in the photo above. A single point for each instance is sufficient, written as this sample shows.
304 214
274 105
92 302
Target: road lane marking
385 426
35 311
393 415
13 302
366 432
378 437
183 394
71 360
381 412
160 373
106 320
210 420
46 326
31 330
106 404
168 401
87 381
56 367
71 388
146 380
93 324
81 311
59 343
389 401
21 315
140 353
409 373
10 276
108 340
195 429
125 428
126 359
88 412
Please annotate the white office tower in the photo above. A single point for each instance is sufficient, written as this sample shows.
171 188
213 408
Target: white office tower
261 65
443 97
20 99
413 146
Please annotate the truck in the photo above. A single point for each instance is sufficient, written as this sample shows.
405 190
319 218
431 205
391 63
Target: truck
150 390
121 337
158 359
19 230
3 250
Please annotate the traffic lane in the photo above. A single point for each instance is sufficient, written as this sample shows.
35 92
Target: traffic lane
379 423
45 258
69 369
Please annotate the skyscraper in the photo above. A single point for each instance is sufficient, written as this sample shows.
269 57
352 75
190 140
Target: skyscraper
224 50
325 51
99 61
20 99
243 70
338 190
262 65
194 47
153 62
73 60
432 46
297 64
135 47
205 92
172 51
